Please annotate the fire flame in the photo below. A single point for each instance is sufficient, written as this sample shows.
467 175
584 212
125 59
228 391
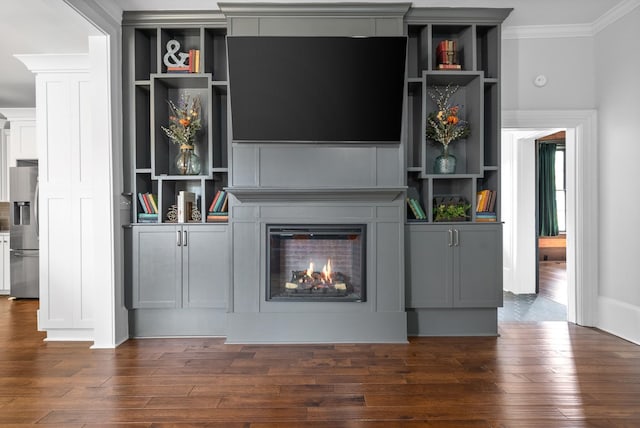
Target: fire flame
310 270
325 274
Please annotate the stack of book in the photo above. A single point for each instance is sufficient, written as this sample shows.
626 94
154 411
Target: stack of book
416 209
485 206
218 211
149 213
194 64
446 53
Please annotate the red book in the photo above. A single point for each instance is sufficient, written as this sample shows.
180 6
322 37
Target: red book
215 199
145 198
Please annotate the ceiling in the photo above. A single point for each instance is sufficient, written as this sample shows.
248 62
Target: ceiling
51 26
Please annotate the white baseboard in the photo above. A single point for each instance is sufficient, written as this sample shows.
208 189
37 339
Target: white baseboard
69 335
619 318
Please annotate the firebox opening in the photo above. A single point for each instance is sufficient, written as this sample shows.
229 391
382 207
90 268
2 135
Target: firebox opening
316 263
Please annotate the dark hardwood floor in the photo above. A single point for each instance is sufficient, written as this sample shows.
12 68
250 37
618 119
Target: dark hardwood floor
552 280
534 375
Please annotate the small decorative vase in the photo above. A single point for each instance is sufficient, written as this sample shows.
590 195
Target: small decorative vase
445 163
187 162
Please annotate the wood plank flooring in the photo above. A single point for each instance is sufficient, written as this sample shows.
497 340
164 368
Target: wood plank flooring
533 375
552 280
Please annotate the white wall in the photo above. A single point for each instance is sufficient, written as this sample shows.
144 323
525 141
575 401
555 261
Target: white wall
618 98
518 212
566 62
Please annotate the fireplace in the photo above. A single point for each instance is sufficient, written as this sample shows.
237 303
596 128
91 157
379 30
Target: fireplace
316 263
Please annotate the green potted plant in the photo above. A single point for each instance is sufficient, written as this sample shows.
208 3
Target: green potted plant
451 212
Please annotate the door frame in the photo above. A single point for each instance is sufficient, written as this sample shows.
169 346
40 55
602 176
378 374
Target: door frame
582 237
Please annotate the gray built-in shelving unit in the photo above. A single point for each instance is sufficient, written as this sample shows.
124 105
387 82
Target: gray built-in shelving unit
175 285
454 269
148 87
179 275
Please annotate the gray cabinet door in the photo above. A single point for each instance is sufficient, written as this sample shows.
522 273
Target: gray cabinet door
478 266
205 266
429 267
453 265
156 267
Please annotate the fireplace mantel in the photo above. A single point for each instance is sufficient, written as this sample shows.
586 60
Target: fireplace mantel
293 194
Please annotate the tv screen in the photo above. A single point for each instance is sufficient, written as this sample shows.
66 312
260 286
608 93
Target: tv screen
316 89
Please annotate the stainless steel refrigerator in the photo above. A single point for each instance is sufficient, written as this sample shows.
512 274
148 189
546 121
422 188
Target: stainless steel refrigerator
23 227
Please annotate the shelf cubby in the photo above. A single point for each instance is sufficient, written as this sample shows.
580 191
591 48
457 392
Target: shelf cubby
173 87
487 60
491 125
215 53
189 38
219 124
145 53
458 187
142 126
463 35
418 50
468 151
415 130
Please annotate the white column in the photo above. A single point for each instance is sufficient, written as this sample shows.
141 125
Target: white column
65 147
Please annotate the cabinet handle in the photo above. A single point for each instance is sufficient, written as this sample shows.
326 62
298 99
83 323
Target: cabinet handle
450 238
178 238
457 241
184 240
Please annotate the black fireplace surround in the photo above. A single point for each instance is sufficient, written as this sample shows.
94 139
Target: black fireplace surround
316 263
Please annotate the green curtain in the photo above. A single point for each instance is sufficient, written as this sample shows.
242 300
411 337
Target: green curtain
547 211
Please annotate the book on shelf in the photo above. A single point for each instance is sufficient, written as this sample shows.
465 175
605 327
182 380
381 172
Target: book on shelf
416 209
220 202
217 217
144 207
446 55
152 200
197 61
449 67
186 202
184 69
148 203
225 203
215 200
486 200
486 217
147 218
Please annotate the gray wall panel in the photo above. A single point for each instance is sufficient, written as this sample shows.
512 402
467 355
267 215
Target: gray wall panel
389 269
244 166
389 166
315 212
246 267
388 27
295 166
244 26
317 26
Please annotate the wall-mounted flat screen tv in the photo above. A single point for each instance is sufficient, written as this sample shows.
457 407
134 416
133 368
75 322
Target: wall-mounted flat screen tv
316 89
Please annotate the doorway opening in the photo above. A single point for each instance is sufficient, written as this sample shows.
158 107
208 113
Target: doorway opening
536 284
551 221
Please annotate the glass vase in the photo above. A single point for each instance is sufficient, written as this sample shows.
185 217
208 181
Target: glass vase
187 162
445 163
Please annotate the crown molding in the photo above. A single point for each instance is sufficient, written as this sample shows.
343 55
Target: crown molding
234 10
615 13
547 31
572 30
55 63
17 114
